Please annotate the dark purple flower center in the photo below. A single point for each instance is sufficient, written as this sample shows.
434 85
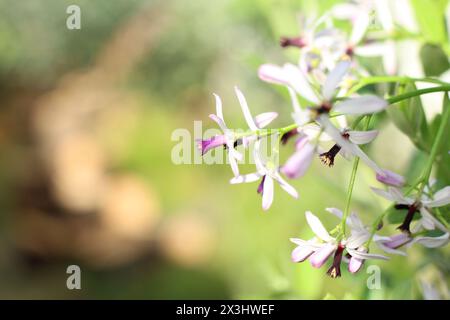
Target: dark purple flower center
412 209
261 185
292 42
288 135
328 157
335 269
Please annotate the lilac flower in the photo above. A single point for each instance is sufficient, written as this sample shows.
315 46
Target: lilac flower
423 205
228 139
320 248
266 172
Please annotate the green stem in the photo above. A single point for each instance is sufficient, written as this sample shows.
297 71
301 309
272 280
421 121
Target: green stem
423 179
416 93
434 149
386 79
351 185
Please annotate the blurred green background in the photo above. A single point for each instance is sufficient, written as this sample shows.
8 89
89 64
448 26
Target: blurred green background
86 176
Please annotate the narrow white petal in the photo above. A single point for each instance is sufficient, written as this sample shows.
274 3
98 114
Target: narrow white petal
440 198
233 164
338 213
331 130
219 122
430 222
295 104
299 83
219 111
362 137
251 177
317 227
267 197
264 119
366 104
286 186
433 242
245 110
364 255
390 250
334 78
359 28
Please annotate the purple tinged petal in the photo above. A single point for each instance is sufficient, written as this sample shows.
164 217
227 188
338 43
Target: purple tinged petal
397 241
264 119
319 257
390 178
273 74
211 143
355 264
300 161
300 254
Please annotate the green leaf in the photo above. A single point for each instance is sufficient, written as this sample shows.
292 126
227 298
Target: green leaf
409 116
434 60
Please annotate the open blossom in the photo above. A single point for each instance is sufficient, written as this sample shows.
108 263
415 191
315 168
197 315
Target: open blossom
347 141
228 139
322 246
267 172
424 205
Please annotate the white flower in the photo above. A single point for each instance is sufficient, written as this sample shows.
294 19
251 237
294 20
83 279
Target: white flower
323 245
424 206
267 171
229 138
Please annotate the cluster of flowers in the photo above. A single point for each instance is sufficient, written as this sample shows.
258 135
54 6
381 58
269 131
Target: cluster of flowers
320 90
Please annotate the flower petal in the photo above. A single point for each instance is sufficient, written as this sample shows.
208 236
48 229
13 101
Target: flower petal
359 28
219 111
267 197
317 227
433 242
273 74
251 177
299 83
245 110
366 104
334 78
364 255
264 119
319 257
362 137
297 165
390 178
300 254
219 122
430 222
440 198
286 186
